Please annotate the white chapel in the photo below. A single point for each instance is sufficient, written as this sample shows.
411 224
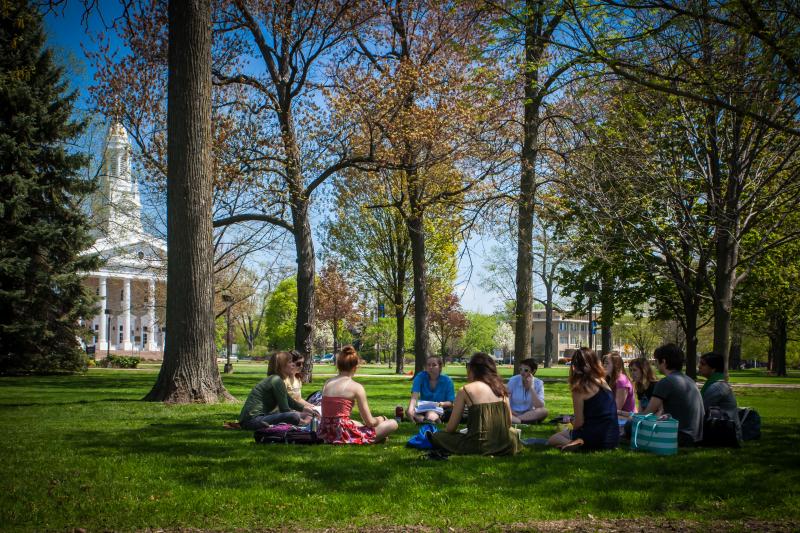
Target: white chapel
131 283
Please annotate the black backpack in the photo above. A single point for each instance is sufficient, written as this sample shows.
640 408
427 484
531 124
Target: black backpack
286 434
750 421
719 430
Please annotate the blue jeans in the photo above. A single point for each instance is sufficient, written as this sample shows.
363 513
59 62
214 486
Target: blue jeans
258 422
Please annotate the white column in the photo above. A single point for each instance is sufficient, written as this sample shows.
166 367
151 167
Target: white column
152 342
126 315
102 337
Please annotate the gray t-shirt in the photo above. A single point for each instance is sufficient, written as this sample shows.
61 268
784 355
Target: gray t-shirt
683 402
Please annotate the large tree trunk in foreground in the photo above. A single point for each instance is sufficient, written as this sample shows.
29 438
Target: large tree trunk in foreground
523 319
190 372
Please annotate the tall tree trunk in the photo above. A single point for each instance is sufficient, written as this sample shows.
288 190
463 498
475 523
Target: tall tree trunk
771 353
724 283
189 372
548 329
691 311
735 354
607 312
778 340
523 320
304 246
400 347
335 329
416 233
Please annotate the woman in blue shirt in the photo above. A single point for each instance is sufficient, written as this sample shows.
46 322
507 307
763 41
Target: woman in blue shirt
431 385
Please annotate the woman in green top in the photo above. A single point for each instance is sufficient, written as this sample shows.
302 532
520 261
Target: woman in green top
269 402
489 430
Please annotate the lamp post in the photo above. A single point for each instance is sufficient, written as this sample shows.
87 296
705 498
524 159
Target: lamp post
228 299
591 289
108 332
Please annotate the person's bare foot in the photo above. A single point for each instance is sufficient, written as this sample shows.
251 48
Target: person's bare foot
572 446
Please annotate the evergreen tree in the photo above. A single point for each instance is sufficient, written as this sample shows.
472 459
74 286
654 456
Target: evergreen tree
43 230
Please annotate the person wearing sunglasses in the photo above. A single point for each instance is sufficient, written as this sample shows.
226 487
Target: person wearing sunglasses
294 381
526 395
269 401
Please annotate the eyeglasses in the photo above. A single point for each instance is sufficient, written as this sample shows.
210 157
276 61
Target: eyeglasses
525 370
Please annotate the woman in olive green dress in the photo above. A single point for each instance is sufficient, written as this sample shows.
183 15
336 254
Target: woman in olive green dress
489 430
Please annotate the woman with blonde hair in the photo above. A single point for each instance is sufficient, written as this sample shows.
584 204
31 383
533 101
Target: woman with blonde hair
489 430
269 402
644 380
620 383
339 395
595 423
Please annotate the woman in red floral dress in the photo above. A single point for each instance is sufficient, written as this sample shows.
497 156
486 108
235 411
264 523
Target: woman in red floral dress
338 396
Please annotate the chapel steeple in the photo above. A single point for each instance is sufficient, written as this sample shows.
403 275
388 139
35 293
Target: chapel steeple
117 206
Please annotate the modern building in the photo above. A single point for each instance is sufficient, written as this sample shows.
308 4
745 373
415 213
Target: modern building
131 282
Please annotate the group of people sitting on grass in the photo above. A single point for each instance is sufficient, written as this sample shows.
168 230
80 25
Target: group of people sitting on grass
603 398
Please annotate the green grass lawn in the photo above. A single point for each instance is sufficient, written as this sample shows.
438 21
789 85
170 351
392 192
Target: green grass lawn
84 452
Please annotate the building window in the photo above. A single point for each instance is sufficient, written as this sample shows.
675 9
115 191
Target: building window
563 339
120 337
97 291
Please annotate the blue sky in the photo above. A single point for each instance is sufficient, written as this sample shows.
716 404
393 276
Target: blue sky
68 37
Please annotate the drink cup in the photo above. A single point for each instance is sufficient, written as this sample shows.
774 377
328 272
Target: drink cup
398 413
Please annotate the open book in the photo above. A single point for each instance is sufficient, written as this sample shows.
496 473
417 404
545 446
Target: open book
424 407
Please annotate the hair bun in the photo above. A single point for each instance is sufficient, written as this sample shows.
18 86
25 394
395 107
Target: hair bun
348 350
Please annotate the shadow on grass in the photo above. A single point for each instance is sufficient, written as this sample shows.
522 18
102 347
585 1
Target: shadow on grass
704 482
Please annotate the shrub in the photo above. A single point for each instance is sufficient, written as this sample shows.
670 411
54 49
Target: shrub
120 361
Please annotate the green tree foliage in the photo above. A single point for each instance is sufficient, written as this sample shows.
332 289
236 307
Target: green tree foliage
281 315
479 336
44 230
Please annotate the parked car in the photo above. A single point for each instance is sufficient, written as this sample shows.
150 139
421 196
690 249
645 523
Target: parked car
328 358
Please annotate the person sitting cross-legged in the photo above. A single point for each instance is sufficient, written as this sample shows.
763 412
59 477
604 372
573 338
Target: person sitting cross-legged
526 395
716 392
677 395
489 430
644 380
620 383
595 423
338 396
269 402
433 388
